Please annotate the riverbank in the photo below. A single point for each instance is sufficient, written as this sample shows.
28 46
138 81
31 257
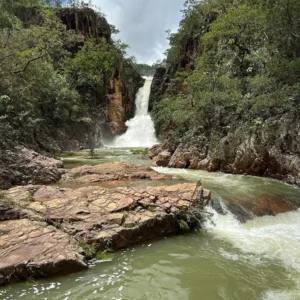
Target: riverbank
242 257
50 230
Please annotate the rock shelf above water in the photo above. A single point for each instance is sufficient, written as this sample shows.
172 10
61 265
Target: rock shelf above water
50 222
112 171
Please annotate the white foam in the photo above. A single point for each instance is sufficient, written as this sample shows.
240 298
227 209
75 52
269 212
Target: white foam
268 237
140 132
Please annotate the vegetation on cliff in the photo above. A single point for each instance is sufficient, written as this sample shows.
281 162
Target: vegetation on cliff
144 69
244 56
55 73
232 64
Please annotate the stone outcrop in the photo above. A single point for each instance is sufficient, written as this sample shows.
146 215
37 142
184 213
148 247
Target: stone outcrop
112 171
53 221
162 159
120 90
271 150
248 207
85 22
154 151
21 166
33 249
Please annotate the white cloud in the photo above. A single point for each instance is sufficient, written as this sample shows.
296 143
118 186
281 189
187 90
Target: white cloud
143 24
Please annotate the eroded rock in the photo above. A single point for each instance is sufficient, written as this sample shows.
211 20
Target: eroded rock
102 216
21 166
112 171
32 249
162 159
249 207
154 151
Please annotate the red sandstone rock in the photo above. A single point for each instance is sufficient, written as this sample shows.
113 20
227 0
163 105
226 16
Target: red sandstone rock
33 249
111 172
103 218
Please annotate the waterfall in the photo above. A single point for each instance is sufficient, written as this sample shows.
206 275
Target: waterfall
140 132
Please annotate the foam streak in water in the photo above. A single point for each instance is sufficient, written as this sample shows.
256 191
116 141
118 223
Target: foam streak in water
140 132
274 238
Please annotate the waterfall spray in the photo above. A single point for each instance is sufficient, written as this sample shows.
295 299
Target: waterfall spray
140 132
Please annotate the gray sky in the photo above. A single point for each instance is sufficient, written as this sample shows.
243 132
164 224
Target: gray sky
143 24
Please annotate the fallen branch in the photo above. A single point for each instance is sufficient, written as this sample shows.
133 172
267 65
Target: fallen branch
28 62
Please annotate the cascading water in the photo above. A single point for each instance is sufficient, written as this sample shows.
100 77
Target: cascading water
140 132
226 260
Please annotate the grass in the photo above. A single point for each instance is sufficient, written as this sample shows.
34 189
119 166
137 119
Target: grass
142 151
105 255
90 252
88 249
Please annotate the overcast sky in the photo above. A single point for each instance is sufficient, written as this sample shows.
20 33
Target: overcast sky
143 24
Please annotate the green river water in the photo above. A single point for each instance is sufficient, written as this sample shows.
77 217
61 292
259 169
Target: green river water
226 260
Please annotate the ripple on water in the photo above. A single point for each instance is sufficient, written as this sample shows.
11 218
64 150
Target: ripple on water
229 260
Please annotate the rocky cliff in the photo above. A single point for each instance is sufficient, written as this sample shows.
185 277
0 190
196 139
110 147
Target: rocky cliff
118 103
194 103
272 149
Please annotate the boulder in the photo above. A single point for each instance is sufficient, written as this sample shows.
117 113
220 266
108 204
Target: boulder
154 151
21 166
162 159
247 208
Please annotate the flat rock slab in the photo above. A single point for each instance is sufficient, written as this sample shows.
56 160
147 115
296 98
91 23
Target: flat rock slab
54 221
33 249
101 216
112 171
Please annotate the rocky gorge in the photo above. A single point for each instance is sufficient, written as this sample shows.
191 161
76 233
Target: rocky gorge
209 211
216 113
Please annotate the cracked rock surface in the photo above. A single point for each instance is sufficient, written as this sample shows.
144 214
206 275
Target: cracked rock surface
31 249
49 223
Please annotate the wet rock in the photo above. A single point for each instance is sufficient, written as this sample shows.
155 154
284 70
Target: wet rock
21 166
154 151
31 249
107 218
250 207
111 172
162 159
268 204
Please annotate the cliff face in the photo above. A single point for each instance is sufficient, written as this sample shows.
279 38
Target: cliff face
118 103
85 22
256 142
270 149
